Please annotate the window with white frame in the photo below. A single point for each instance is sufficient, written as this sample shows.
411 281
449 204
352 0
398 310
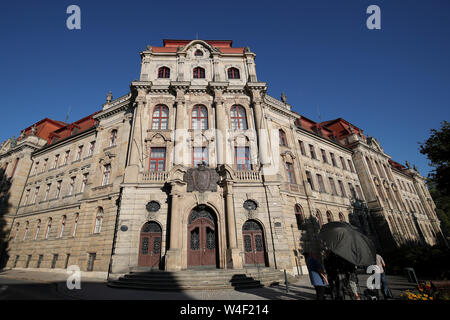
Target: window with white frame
79 153
63 226
106 174
98 220
91 148
66 157
75 224
84 182
113 138
49 228
71 185
38 228
25 233
47 191
55 161
36 191
58 189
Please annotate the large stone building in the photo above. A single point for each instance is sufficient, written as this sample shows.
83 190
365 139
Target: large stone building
197 166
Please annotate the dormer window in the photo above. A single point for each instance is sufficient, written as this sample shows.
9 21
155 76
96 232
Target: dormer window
199 73
198 53
164 73
233 73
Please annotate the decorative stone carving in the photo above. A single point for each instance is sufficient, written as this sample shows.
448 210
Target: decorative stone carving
250 205
283 97
109 97
201 179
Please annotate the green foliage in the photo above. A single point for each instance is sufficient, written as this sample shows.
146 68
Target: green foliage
428 262
437 150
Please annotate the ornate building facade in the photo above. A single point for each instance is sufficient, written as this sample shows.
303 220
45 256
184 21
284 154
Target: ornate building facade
198 167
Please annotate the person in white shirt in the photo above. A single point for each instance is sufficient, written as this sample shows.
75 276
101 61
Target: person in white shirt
381 265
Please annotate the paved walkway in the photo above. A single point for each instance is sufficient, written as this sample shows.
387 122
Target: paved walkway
96 289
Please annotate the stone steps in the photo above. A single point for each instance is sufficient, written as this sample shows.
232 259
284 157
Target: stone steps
199 279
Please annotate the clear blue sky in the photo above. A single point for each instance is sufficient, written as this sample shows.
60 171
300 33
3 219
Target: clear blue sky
394 83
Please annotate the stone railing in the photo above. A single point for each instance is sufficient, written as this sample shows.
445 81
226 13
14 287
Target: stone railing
248 175
155 176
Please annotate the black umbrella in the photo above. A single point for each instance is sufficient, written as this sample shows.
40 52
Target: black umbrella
346 241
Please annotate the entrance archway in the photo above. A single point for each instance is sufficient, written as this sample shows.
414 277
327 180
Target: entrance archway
202 238
254 244
150 245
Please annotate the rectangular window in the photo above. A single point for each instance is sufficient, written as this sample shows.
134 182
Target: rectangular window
58 189
290 172
310 180
36 168
341 186
79 153
158 159
312 151
113 138
302 147
91 148
333 159
41 257
55 258
44 167
28 261
35 195
66 157
324 156
27 195
321 184
84 182
199 155
352 190
333 187
71 185
350 165
15 261
91 261
66 264
55 162
343 163
47 191
106 174
242 157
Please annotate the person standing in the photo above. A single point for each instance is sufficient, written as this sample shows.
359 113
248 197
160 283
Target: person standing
381 265
316 275
331 269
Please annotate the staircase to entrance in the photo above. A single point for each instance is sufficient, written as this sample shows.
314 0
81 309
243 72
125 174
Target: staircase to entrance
208 279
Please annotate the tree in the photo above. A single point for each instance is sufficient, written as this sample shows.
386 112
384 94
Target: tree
437 150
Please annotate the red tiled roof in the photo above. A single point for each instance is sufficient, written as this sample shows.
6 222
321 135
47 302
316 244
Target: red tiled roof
71 129
171 46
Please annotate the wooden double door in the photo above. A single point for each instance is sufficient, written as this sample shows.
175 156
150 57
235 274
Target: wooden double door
254 247
150 245
202 240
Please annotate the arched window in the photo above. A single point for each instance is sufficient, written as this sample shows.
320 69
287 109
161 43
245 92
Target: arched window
199 73
299 217
160 117
238 118
199 117
164 72
329 216
38 228
319 218
113 138
233 73
49 228
98 220
75 225
341 217
63 225
283 140
198 53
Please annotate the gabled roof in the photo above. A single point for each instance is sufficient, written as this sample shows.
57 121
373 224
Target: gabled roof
44 127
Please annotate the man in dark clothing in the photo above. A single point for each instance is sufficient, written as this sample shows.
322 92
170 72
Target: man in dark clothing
331 267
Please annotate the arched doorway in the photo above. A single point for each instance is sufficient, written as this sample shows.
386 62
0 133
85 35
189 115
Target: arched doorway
202 238
150 245
254 244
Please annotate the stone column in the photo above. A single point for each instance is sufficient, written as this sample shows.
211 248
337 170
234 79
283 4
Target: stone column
221 127
180 128
173 255
234 259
